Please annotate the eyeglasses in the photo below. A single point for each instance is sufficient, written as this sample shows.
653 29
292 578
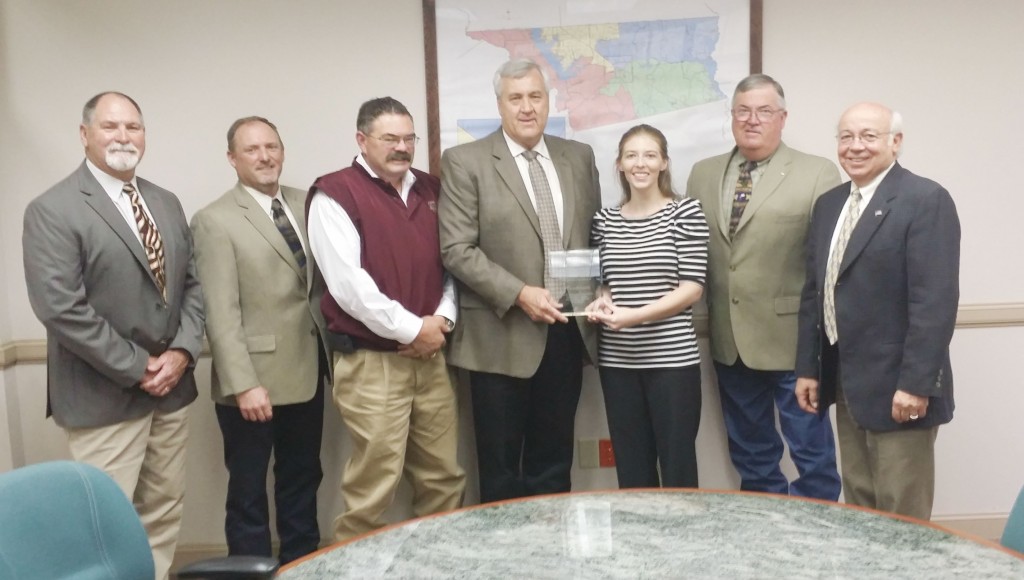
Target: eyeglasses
764 114
393 140
867 137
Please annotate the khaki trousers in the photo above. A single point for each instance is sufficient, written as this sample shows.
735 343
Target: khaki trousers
891 471
403 418
146 457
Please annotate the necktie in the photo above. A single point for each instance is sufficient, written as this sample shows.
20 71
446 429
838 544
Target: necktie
744 186
151 239
550 234
285 227
836 260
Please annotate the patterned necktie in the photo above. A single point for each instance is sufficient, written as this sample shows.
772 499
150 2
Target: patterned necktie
550 234
284 225
151 239
836 260
744 186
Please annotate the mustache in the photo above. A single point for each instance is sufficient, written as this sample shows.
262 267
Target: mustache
119 148
399 156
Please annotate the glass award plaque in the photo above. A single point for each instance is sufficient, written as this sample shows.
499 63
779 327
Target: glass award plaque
581 272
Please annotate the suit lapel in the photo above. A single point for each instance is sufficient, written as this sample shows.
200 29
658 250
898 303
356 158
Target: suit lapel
264 226
100 202
872 216
506 167
567 185
713 207
768 184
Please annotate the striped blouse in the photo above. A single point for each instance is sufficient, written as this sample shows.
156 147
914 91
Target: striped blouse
641 261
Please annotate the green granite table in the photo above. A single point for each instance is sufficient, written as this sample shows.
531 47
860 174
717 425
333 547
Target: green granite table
662 534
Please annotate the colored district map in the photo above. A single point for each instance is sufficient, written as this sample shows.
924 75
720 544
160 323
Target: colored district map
613 73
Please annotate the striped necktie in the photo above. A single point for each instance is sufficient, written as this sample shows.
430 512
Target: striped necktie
151 239
835 261
284 225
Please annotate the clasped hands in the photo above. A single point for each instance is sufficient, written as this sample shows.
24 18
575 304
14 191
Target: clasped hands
164 371
604 311
429 341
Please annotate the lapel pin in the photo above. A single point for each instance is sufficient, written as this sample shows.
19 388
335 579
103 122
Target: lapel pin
878 212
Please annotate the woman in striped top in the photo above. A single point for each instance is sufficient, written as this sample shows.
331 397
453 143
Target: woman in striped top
653 262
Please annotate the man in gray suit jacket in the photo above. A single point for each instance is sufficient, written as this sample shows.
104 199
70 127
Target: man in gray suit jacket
524 356
758 201
110 274
251 253
877 315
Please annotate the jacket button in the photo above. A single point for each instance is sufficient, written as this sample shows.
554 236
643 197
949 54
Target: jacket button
735 300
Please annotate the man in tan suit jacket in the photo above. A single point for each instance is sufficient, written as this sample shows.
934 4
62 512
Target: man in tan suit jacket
524 356
266 342
758 200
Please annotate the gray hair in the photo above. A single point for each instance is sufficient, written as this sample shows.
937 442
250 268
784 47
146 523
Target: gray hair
517 69
896 128
90 106
757 81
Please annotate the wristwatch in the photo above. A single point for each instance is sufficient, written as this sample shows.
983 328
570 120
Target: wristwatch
449 323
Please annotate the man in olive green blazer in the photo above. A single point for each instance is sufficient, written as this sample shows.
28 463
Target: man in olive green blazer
265 336
755 275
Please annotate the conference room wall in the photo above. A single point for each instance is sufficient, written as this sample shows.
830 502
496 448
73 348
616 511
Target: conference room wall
195 66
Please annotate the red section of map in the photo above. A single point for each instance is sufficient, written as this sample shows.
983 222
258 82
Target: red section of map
582 95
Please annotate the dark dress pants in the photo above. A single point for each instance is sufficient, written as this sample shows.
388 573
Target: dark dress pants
294 437
653 418
524 427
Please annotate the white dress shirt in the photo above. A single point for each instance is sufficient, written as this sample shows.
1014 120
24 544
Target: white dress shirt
113 187
336 247
265 202
549 171
866 193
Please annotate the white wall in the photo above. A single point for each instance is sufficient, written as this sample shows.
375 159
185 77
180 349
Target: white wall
194 66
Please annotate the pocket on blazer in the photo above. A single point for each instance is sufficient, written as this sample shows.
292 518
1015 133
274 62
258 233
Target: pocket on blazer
787 305
262 343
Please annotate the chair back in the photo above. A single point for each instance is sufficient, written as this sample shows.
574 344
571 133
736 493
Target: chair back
63 519
1013 535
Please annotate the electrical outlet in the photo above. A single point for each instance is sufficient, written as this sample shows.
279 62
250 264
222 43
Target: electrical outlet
590 454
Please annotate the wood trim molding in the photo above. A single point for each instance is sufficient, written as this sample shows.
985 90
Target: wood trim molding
995 315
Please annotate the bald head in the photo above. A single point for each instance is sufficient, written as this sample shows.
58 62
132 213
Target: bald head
869 137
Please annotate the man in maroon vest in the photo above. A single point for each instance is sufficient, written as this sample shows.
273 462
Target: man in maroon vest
388 305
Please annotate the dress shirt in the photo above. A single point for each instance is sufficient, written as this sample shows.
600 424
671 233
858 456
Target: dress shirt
732 175
265 202
336 246
549 171
113 187
866 193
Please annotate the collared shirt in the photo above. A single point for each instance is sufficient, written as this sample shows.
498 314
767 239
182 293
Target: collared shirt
866 193
113 187
732 175
265 201
549 171
336 244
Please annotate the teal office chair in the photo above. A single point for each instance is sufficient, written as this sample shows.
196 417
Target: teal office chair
70 520
1013 535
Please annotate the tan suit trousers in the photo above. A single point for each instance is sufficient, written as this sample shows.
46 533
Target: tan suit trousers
891 471
402 415
146 457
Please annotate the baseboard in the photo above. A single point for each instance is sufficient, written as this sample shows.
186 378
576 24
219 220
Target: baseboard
985 527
